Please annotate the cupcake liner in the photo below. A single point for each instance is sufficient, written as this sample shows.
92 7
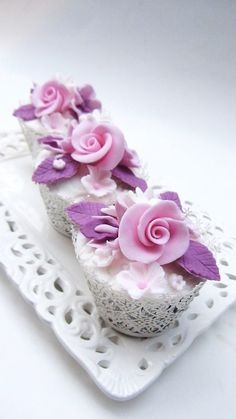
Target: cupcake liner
31 136
55 207
55 204
143 317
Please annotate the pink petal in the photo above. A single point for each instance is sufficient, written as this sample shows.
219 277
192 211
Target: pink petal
106 228
48 109
142 231
81 129
120 209
116 151
177 244
94 156
163 209
156 233
130 244
171 196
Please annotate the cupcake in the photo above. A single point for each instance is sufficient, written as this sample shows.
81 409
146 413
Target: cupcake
52 106
92 161
143 259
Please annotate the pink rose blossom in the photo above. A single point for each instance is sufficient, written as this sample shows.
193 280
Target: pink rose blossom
149 233
99 144
51 97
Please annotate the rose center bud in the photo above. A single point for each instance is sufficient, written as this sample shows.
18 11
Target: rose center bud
157 233
90 143
50 93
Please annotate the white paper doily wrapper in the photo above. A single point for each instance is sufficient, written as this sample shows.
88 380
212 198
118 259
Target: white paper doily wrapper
121 366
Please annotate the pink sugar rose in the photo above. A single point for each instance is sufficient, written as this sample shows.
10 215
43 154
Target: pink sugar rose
99 144
51 97
153 233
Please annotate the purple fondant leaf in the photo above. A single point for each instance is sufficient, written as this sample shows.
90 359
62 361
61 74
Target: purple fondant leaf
25 112
46 173
128 177
172 196
51 142
87 215
82 212
199 261
89 101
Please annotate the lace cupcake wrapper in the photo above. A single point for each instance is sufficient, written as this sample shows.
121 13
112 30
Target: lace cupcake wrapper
146 317
31 136
54 204
55 207
143 317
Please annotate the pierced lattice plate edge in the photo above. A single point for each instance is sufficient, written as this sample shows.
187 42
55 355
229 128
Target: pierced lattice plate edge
121 366
121 350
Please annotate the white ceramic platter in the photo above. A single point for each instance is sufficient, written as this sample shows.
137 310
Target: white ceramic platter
30 251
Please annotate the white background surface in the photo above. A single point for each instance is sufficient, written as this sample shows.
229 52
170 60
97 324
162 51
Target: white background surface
166 70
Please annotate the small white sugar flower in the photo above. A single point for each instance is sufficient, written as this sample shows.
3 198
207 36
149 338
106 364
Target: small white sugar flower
140 279
176 281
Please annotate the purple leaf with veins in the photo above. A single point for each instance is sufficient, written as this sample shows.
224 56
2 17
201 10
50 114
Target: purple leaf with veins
199 261
82 212
92 222
46 173
172 196
128 177
25 112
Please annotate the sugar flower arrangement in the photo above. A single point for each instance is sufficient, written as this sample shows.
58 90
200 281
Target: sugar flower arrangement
95 151
54 104
147 235
126 236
